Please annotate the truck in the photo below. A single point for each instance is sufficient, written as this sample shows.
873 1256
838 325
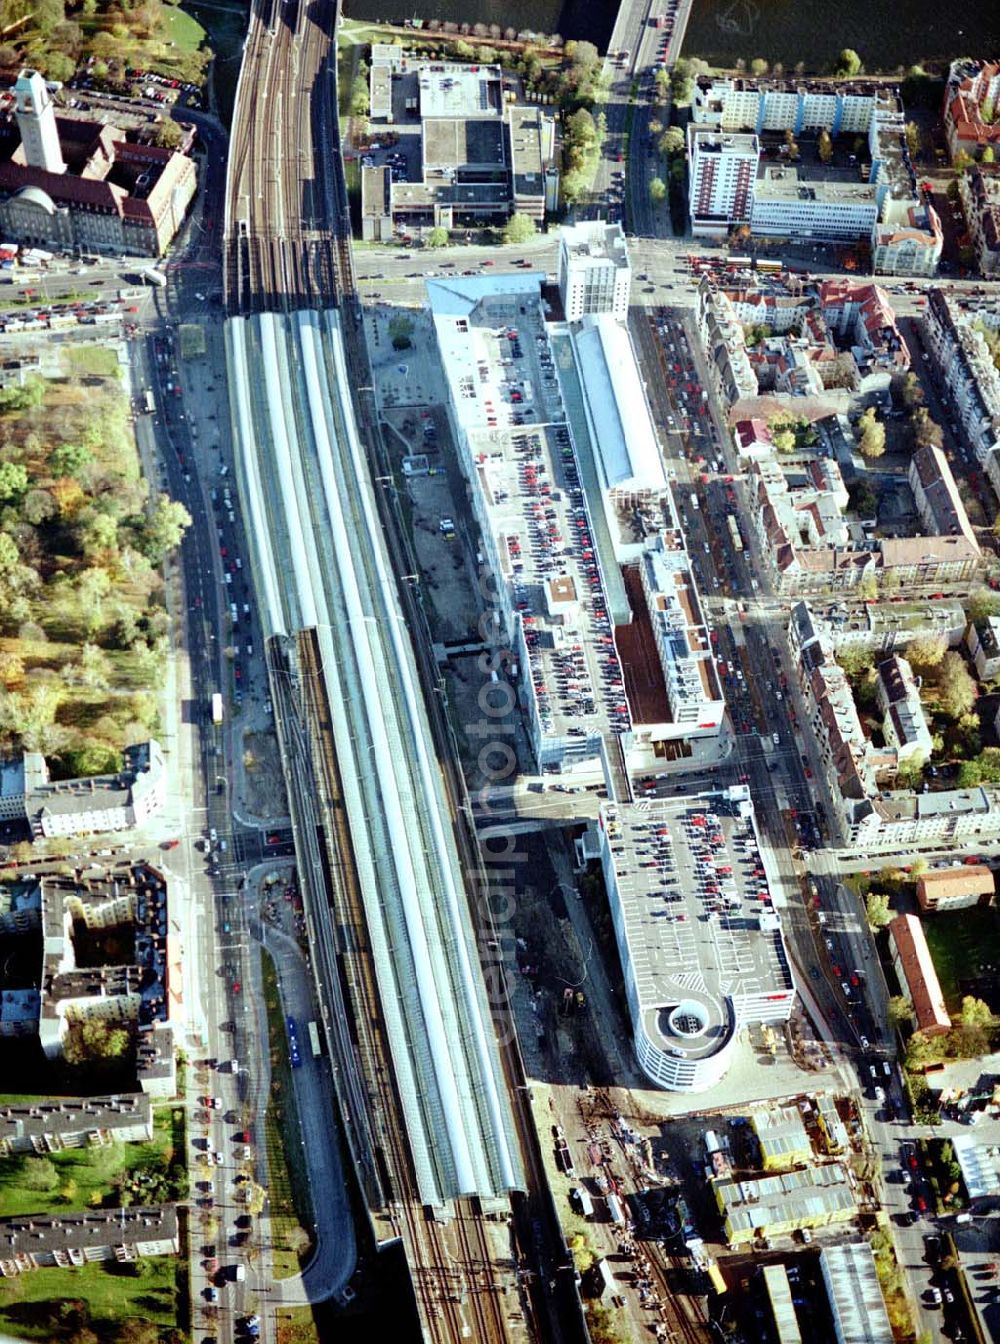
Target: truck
615 1209
216 708
154 277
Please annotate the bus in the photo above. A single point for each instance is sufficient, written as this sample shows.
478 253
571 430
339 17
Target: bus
148 402
294 1053
216 708
734 532
314 1040
769 267
154 277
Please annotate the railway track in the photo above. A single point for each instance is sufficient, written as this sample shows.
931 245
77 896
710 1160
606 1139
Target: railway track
288 246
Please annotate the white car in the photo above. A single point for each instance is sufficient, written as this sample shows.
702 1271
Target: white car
776 738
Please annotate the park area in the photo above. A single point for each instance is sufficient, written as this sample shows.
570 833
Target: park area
965 946
99 1177
140 1303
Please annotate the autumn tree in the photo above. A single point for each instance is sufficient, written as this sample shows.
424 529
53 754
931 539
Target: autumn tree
976 1013
871 443
877 909
924 654
824 146
956 690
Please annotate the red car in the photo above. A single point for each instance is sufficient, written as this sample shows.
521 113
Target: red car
921 1204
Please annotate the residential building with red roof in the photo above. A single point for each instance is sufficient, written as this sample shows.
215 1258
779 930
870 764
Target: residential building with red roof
971 100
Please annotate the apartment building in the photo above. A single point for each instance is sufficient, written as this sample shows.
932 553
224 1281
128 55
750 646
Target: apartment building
74 1122
972 94
595 275
723 166
966 368
914 967
956 888
778 105
83 806
783 200
695 698
886 628
982 639
935 493
903 722
870 814
979 192
41 1241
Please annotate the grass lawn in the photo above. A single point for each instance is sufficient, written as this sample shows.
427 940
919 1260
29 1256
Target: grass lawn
960 942
109 1294
183 29
84 1177
296 1325
100 360
289 1181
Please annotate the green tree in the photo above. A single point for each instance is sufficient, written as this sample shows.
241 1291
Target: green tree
924 654
657 191
848 63
581 130
913 139
899 1011
401 331
981 604
93 758
824 146
671 141
520 228
910 772
988 155
784 440
956 690
573 184
13 481
164 529
438 237
39 1174
983 769
69 459
168 134
877 909
856 661
976 1013
758 67
38 506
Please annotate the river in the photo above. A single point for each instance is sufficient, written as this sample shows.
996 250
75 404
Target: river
885 33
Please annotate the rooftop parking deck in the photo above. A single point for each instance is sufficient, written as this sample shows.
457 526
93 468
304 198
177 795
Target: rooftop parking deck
703 933
530 500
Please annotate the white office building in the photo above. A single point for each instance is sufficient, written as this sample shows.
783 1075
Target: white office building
723 167
787 205
594 270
